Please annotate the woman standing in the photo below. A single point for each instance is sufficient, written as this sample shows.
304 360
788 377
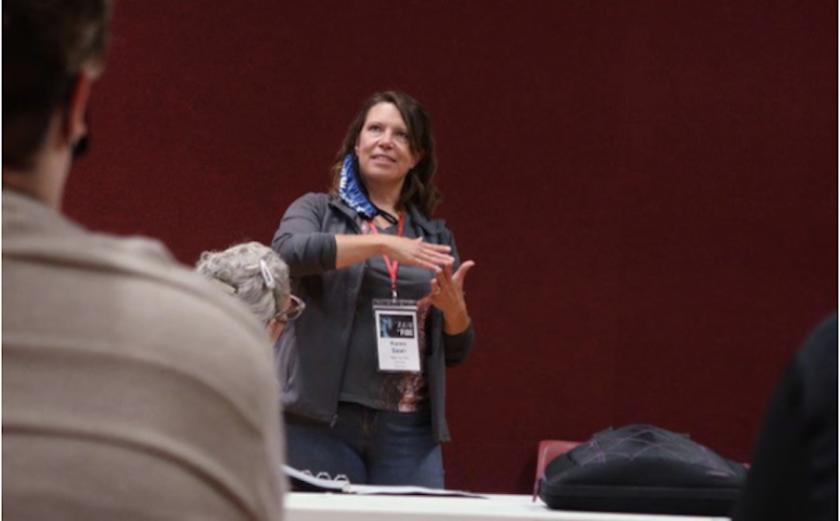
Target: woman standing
363 371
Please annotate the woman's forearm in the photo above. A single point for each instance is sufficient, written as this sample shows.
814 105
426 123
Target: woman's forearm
350 249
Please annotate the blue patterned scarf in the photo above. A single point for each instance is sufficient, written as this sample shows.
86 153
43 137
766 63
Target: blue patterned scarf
351 191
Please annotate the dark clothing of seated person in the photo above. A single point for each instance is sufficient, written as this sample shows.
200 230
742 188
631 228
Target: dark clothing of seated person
794 469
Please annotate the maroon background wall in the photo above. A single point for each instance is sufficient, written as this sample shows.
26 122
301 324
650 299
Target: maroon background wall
649 188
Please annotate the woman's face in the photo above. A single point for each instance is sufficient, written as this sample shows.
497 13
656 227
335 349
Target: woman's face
383 146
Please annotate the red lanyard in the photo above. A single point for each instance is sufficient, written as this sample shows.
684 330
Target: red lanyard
394 266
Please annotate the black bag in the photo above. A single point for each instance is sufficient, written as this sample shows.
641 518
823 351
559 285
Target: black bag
642 469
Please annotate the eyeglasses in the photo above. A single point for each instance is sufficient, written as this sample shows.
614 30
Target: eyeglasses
295 310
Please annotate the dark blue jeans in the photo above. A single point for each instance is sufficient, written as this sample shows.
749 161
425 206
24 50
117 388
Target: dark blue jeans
368 446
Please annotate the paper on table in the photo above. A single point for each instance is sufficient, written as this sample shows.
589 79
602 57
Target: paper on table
304 482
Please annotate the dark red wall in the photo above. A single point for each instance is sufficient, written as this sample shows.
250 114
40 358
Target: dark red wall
649 188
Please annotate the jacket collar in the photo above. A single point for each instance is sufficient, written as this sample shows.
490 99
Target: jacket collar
341 207
429 226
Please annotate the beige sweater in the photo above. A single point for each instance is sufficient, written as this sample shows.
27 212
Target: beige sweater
131 388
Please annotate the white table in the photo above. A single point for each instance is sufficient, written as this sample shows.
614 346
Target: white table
302 506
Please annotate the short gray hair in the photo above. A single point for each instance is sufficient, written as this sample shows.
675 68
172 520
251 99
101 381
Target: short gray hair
240 268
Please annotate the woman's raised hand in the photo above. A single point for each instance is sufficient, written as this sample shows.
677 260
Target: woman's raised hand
415 252
447 292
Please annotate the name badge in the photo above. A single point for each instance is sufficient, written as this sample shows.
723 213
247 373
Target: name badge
396 335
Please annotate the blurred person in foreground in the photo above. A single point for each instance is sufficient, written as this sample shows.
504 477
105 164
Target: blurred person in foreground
132 389
793 475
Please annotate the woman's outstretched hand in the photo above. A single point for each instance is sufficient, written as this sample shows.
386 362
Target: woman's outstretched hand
447 295
415 252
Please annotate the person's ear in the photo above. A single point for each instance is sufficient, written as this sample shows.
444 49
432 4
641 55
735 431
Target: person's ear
274 328
74 126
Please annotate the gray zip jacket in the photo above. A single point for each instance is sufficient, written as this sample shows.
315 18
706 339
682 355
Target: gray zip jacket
311 354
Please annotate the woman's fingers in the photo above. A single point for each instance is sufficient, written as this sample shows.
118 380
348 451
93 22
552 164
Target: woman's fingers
440 279
437 257
429 265
426 255
461 274
440 260
423 260
442 248
446 290
445 278
436 295
434 250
